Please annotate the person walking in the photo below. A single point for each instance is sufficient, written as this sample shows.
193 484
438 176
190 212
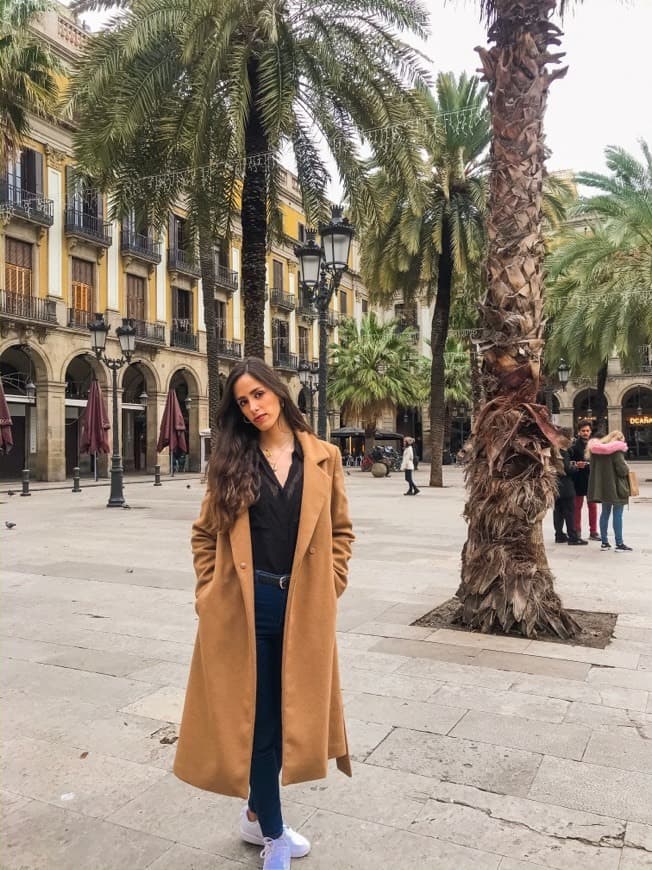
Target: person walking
609 484
564 510
270 548
581 469
407 465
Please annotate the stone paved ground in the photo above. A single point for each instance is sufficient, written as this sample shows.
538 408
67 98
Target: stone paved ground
470 751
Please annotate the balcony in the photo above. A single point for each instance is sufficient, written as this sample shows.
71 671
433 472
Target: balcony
140 246
25 204
149 333
226 279
181 336
78 318
307 312
89 227
332 319
287 361
285 301
229 348
183 262
28 308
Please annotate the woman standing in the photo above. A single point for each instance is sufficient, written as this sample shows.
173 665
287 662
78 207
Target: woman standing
609 484
270 548
407 465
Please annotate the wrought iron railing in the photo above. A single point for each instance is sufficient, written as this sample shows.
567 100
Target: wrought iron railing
26 204
183 261
27 307
184 339
87 226
308 312
78 318
284 360
226 278
229 348
283 300
149 333
140 245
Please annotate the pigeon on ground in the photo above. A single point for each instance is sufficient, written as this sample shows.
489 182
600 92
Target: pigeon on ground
10 525
10 492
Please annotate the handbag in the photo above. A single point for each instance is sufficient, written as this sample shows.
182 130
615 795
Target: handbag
633 483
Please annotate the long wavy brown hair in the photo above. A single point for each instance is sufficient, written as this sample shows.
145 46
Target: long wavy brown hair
234 467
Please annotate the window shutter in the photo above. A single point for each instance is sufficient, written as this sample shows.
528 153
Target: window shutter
100 208
38 173
172 239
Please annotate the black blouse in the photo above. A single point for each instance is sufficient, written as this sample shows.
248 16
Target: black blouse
274 517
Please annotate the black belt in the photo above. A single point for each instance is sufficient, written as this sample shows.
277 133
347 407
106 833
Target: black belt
267 579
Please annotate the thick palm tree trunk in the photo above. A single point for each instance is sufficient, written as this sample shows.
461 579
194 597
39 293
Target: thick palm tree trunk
601 405
207 265
476 381
254 223
438 336
506 582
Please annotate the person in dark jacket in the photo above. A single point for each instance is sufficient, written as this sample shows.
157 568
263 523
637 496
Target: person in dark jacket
609 484
581 468
564 511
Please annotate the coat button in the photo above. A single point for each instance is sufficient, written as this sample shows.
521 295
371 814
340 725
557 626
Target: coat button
312 551
243 564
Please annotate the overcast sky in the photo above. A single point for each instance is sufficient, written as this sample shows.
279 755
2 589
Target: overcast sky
604 98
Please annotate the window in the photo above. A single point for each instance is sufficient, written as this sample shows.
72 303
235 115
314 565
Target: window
82 200
304 342
136 291
223 256
178 231
281 336
301 232
365 306
182 309
220 319
18 267
25 171
82 285
277 267
344 302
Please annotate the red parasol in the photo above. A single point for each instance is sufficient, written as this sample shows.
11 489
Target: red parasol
94 423
173 427
6 438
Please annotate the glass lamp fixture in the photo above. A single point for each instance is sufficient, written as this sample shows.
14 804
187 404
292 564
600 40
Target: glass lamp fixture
99 330
127 337
336 238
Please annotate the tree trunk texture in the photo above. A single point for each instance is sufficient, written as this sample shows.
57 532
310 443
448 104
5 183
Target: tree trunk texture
477 392
254 223
448 426
207 265
438 336
506 584
601 406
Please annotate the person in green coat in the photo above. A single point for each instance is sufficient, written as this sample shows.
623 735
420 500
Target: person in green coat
609 484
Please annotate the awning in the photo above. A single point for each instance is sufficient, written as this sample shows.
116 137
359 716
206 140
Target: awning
356 432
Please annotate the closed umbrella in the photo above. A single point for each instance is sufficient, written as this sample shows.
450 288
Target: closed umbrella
6 438
173 428
94 424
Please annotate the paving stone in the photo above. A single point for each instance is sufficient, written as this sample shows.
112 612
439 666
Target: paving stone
620 677
635 859
351 640
45 837
528 664
574 690
605 657
165 704
175 811
420 649
645 663
115 664
10 802
638 843
464 761
394 629
364 737
162 674
95 785
511 864
565 741
621 794
509 703
600 718
30 650
622 751
365 845
368 660
551 836
464 675
395 685
418 715
479 641
185 858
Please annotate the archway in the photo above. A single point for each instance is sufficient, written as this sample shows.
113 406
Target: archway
584 403
80 372
186 386
637 422
19 383
134 418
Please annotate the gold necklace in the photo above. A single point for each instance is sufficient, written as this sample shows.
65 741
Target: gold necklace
268 454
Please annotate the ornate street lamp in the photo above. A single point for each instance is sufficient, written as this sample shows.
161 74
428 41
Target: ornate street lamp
126 334
563 373
321 269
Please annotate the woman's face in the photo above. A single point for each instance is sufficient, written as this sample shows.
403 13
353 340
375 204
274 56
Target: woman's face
260 405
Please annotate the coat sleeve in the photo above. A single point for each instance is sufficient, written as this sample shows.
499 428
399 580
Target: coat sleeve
203 541
342 529
620 465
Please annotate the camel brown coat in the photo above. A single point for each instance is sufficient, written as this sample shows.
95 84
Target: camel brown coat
216 737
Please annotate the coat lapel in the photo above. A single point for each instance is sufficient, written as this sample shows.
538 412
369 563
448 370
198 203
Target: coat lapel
316 487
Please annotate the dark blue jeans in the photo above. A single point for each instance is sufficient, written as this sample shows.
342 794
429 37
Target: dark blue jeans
617 522
264 791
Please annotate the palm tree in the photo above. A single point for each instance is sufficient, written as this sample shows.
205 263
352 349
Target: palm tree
600 294
27 74
429 236
275 74
457 382
372 367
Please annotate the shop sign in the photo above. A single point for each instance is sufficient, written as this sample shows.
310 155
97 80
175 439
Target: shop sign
641 420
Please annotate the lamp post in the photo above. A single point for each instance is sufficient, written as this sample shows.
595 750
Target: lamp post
309 377
126 334
321 268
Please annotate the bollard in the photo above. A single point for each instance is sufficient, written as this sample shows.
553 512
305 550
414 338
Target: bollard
26 482
75 479
157 475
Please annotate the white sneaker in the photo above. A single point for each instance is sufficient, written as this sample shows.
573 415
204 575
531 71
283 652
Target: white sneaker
251 833
276 854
